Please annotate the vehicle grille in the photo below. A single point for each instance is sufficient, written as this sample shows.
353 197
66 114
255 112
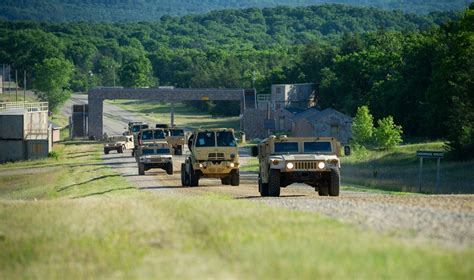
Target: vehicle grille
216 156
306 165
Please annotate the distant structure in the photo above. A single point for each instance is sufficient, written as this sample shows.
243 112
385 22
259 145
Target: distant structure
291 109
25 132
1 84
79 122
325 123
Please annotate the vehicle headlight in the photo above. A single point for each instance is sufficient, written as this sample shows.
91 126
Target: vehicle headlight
290 165
275 162
321 165
231 164
200 165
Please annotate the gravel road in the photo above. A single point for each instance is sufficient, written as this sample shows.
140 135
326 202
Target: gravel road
445 219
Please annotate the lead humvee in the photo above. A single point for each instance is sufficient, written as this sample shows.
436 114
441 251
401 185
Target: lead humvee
213 154
310 160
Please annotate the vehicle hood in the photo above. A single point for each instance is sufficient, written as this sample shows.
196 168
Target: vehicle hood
303 157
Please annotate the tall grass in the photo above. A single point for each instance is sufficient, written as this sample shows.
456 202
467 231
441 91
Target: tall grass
398 170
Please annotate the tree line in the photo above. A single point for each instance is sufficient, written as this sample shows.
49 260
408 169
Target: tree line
406 66
152 10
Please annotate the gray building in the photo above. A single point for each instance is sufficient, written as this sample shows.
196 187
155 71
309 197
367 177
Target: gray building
327 123
24 131
300 96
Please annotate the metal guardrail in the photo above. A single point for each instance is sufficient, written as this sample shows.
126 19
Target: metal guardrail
29 106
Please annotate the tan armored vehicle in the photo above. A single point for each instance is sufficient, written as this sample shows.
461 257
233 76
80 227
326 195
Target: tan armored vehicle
149 136
155 155
118 143
176 140
213 154
134 128
310 160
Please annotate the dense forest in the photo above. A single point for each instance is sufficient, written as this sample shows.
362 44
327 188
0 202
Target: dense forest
419 69
152 10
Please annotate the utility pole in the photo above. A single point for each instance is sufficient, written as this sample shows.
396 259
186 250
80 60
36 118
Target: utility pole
16 85
24 85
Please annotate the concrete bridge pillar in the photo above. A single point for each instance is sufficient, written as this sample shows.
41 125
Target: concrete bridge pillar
96 109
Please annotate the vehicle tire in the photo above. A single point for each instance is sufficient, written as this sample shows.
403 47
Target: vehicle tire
235 178
141 169
225 180
184 176
120 150
323 189
334 183
193 178
262 187
169 168
133 152
274 183
106 152
180 150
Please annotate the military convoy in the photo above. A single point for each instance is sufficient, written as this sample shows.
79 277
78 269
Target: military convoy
310 160
213 154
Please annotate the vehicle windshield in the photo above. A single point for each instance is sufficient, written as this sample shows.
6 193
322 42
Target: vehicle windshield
286 147
153 134
317 147
206 139
137 127
158 151
177 132
225 139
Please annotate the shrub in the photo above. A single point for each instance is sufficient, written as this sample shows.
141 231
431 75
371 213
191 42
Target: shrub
362 127
387 135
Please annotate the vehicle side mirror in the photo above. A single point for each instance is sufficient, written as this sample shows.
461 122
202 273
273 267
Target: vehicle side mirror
347 150
254 151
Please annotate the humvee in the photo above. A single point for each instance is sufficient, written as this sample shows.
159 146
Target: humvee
155 155
310 160
149 136
213 154
118 143
135 128
176 140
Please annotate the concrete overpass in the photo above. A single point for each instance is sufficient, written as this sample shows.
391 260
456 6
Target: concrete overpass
97 96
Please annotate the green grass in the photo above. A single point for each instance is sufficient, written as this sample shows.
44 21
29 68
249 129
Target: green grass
74 216
397 170
185 116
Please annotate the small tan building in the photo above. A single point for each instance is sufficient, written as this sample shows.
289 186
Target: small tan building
325 123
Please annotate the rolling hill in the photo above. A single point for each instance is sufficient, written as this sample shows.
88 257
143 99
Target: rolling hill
152 10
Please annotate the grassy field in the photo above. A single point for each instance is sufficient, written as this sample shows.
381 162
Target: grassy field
74 216
185 116
397 170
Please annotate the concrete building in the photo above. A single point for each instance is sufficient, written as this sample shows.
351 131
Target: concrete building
1 84
328 123
300 96
24 131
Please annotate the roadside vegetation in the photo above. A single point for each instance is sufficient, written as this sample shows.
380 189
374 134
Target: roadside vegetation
397 169
75 216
